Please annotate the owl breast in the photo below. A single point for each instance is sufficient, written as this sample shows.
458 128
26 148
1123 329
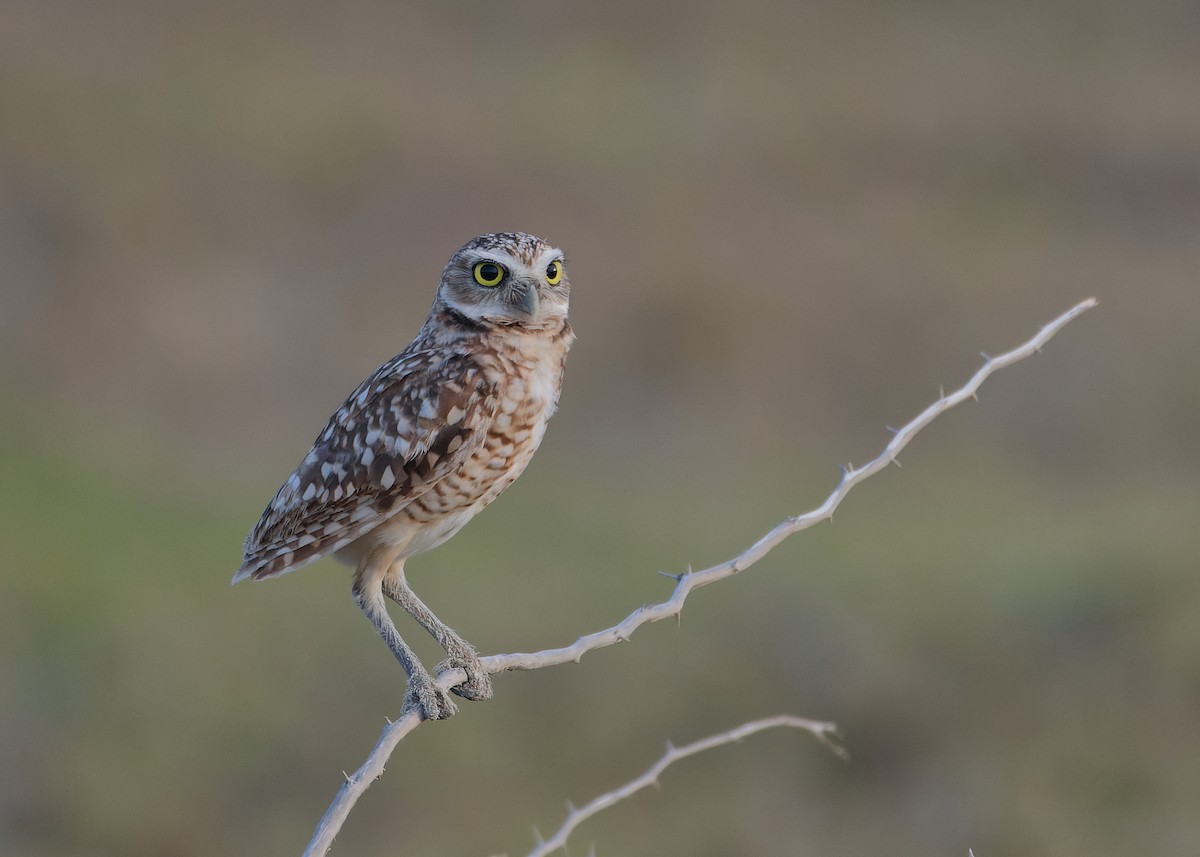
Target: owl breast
526 373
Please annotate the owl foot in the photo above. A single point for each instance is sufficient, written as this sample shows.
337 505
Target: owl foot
433 702
477 686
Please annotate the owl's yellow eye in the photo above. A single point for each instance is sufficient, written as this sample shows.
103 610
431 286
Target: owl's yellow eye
488 274
554 273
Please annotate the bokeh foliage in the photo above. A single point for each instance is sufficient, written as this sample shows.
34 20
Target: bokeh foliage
786 226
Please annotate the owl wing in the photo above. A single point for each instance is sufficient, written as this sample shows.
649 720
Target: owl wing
414 421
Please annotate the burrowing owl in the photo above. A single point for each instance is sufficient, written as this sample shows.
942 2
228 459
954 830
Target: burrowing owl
427 440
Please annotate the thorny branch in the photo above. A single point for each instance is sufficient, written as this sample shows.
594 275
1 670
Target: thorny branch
826 733
395 731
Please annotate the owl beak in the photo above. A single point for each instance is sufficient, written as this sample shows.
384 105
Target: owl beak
526 298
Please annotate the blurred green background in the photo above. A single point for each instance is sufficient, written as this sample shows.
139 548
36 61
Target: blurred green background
787 225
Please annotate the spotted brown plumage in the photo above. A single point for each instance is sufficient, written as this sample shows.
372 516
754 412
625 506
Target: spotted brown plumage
427 441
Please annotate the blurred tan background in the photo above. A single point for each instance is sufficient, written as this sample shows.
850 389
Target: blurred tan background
786 225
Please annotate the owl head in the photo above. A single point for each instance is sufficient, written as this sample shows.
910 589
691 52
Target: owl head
507 278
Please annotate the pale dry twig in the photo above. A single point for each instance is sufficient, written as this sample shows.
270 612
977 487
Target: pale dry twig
395 731
826 733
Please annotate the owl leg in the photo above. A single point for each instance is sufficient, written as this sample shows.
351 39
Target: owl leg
462 654
368 595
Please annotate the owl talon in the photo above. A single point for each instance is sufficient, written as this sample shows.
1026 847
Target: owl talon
478 685
434 703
